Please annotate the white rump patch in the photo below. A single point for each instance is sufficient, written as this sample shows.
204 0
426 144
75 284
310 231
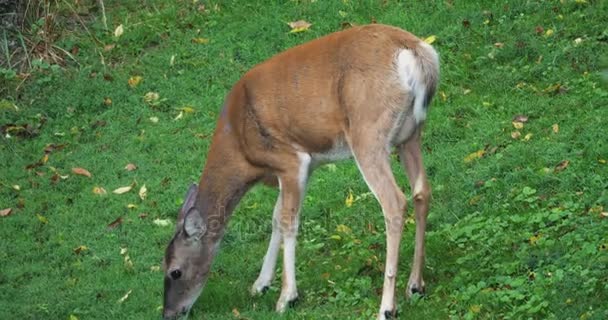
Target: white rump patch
412 80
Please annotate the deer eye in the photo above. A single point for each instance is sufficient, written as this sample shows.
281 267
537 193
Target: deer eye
175 274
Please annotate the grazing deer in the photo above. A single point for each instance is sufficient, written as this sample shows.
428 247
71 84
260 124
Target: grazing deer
354 93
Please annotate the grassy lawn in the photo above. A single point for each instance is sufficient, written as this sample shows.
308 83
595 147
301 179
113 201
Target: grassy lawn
518 226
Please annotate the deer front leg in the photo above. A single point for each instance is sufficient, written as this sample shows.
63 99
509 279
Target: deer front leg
293 185
266 276
411 158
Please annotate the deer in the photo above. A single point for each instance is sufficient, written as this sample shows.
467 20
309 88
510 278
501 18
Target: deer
360 93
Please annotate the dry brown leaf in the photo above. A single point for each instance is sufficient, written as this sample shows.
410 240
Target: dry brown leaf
6 212
112 225
515 134
81 171
135 81
122 190
299 26
99 191
236 313
475 155
130 167
561 166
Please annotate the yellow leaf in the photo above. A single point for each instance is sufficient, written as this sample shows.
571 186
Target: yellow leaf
119 31
131 206
42 218
486 104
515 135
349 199
81 171
444 97
517 125
187 109
335 237
73 317
154 119
475 155
528 137
602 161
549 32
99 191
534 239
121 300
16 187
555 128
200 40
343 229
80 249
179 116
155 268
430 39
299 26
122 190
143 192
134 81
475 308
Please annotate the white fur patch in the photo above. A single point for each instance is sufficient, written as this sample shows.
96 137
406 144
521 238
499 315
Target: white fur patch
412 80
339 151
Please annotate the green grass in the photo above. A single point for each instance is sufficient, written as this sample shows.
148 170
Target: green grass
509 237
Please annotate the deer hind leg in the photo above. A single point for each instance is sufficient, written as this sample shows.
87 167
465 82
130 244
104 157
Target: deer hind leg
266 276
374 163
411 159
293 184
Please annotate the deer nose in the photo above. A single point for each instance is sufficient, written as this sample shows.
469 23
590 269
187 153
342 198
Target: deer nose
169 314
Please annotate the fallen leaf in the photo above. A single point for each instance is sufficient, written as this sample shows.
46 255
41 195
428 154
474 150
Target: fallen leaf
128 262
125 297
151 98
179 116
499 44
602 161
187 109
73 317
299 26
81 171
549 32
154 119
16 187
99 191
134 81
349 199
6 212
143 192
430 39
343 229
80 249
155 268
112 225
42 218
555 128
444 97
561 166
130 167
119 31
517 125
123 251
200 40
520 118
604 214
236 313
515 135
534 239
475 308
122 190
143 215
475 155
162 222
528 137
108 47
107 101
131 206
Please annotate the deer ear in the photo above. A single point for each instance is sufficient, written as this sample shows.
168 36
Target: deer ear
188 202
194 226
